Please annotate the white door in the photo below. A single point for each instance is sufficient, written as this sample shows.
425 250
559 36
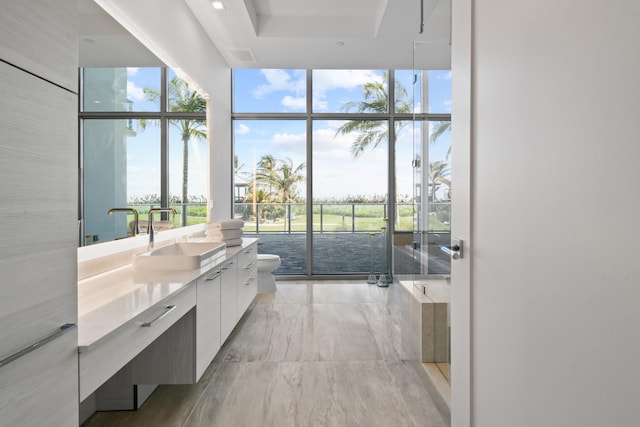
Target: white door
461 214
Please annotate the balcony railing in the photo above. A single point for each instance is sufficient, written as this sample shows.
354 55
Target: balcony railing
289 218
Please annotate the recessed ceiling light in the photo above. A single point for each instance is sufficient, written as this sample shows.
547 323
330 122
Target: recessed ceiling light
217 4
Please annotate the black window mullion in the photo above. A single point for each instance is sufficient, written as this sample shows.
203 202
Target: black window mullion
164 140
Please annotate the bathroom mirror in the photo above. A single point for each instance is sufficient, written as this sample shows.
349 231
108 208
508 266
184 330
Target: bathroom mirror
144 145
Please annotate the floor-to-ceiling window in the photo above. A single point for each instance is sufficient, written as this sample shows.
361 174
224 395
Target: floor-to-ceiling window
318 156
143 145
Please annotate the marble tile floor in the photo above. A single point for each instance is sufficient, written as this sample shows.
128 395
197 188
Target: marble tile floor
315 353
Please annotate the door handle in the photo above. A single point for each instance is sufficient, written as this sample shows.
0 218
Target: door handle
455 250
67 327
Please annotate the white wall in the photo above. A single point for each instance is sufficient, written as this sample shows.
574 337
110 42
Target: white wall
156 24
555 213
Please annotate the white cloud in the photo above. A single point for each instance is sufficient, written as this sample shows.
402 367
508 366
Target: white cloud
294 103
281 80
325 80
134 92
242 129
337 173
320 105
287 138
132 71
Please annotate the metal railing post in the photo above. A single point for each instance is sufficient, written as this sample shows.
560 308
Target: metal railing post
353 218
257 218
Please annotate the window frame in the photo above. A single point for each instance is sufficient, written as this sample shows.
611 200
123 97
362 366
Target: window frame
391 117
164 116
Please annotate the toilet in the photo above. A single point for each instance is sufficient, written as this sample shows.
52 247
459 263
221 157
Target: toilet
267 263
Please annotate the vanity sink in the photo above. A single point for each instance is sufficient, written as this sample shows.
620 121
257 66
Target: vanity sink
180 256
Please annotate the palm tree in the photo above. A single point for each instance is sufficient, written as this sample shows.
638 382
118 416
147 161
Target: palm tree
265 169
376 100
440 129
183 99
237 167
285 179
438 172
257 196
280 177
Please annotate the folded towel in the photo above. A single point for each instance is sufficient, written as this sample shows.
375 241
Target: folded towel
233 242
224 234
226 224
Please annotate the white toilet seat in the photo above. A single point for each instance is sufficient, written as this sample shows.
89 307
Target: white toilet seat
268 260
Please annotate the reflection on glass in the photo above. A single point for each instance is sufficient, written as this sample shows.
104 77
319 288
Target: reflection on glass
123 155
121 169
407 91
120 89
437 223
188 170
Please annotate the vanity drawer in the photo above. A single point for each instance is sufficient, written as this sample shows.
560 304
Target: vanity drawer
248 254
247 277
247 291
246 270
101 360
247 263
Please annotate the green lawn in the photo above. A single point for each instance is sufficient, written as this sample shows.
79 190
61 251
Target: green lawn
335 217
332 223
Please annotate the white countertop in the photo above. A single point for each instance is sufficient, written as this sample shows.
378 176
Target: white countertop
109 300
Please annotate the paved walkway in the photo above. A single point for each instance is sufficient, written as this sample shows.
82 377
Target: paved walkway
347 253
334 253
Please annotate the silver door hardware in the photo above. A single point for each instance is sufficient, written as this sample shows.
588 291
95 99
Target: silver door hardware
67 327
455 251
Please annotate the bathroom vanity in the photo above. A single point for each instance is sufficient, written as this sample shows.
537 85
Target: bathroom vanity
139 328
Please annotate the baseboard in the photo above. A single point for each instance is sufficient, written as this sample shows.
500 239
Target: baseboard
440 390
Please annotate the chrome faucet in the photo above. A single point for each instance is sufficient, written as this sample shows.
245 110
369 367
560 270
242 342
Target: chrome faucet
150 222
136 228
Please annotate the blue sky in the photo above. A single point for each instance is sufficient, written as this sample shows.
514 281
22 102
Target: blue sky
143 164
336 172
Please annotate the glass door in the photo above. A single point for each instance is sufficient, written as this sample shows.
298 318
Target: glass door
349 199
432 189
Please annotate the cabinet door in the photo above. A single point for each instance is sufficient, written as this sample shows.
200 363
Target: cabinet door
41 388
207 320
228 298
41 36
38 175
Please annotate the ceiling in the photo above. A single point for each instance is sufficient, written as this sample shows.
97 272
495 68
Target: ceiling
103 42
339 34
